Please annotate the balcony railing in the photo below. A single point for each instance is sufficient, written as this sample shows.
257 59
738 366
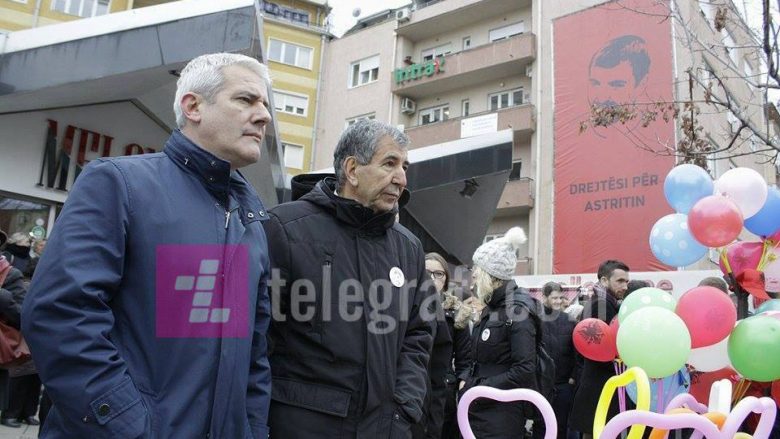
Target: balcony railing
518 194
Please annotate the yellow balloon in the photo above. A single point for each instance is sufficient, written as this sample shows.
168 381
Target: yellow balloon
634 374
742 436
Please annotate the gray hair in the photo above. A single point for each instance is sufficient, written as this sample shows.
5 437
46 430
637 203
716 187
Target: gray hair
203 75
360 140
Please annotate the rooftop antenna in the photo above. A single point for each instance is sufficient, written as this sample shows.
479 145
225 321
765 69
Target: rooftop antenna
356 12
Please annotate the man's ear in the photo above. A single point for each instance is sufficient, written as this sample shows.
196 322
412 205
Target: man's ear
350 170
191 106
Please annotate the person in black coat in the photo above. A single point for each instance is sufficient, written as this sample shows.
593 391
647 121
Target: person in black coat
11 287
558 330
504 340
450 358
17 250
603 305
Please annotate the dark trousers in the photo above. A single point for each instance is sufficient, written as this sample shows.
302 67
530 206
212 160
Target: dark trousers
561 404
23 397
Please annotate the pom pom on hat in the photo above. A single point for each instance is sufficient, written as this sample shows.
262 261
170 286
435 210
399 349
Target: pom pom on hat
499 256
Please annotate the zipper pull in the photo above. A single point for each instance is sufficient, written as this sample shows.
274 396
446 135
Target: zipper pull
227 218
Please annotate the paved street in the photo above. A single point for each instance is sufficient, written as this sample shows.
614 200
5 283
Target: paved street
24 432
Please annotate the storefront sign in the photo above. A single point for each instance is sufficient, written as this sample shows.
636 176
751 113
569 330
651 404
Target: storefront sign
418 71
476 126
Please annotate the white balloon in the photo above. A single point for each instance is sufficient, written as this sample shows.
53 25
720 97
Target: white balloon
711 358
746 187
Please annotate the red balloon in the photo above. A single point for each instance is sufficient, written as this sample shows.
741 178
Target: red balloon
701 382
595 340
742 255
708 313
614 326
715 221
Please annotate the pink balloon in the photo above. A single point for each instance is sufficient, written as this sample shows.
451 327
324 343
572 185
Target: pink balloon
742 255
715 221
534 397
772 267
708 313
686 399
657 420
764 406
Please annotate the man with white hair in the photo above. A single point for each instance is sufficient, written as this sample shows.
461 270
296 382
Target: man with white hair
148 315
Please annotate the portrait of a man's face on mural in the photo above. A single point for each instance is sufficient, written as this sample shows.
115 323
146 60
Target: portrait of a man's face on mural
617 76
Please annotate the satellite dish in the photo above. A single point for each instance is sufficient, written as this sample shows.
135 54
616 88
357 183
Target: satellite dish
356 12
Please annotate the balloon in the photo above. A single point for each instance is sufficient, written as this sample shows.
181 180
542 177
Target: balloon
654 339
686 399
767 220
715 221
769 305
772 268
551 425
595 340
657 420
672 242
644 297
746 187
742 255
701 382
711 358
754 348
764 406
633 374
665 388
717 418
708 313
685 185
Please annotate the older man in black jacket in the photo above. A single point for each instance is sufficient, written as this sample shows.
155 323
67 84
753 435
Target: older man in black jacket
349 339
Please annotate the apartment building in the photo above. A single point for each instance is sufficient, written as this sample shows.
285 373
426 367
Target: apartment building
458 75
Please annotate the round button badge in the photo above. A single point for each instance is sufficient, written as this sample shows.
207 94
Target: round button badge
485 334
397 277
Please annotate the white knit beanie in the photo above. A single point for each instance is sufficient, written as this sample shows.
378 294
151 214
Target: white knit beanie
498 257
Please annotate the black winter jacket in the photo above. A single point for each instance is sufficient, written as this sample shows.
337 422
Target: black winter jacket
12 294
558 330
365 360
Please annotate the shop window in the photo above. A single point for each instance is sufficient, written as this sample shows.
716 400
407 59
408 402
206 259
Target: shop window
82 8
24 216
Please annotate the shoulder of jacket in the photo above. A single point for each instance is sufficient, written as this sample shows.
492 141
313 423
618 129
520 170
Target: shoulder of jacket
405 233
294 210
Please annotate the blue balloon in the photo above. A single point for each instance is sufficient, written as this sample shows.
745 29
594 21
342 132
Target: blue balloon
672 242
685 185
665 388
767 221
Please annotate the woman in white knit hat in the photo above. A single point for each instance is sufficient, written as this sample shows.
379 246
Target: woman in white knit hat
504 339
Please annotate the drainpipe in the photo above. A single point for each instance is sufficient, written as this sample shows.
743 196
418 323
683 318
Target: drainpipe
539 125
36 13
317 107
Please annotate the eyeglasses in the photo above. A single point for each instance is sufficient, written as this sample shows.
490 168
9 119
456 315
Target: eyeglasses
438 275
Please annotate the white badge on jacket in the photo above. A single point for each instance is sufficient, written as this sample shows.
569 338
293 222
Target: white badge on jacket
397 277
485 334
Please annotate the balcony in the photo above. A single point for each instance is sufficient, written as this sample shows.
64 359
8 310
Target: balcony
471 67
518 196
525 266
520 118
439 17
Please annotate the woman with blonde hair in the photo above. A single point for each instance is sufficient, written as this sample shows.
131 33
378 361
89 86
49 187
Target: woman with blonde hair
504 339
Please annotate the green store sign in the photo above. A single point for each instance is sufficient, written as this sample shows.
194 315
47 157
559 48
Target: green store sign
417 71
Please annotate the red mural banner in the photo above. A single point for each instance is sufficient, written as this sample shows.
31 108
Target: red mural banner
608 186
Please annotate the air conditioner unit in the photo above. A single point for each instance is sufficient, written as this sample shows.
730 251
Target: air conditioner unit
403 14
408 106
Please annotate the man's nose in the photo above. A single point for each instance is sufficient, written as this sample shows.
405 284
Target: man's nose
261 115
400 178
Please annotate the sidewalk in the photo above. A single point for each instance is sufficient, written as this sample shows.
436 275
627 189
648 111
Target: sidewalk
23 432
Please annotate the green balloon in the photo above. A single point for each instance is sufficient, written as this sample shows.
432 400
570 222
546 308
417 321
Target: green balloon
655 339
769 305
644 297
754 348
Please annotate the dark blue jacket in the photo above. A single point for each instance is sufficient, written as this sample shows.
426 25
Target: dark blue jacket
103 315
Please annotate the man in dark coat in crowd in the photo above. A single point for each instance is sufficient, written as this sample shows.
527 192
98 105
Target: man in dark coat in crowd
11 295
350 341
603 305
558 329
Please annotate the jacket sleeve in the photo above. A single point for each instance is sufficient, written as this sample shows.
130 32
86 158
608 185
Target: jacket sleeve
279 253
11 297
258 395
462 353
67 315
522 371
412 373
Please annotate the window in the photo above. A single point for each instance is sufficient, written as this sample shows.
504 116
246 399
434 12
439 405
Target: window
507 31
707 10
24 216
293 155
430 54
514 174
289 53
730 46
364 71
505 99
289 103
464 107
82 8
433 115
466 43
369 116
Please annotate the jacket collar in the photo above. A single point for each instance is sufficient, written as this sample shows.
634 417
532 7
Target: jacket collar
211 170
350 211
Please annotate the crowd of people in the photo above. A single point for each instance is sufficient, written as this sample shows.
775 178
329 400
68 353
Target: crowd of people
170 303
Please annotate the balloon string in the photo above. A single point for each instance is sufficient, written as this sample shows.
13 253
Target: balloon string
660 402
621 394
725 259
762 261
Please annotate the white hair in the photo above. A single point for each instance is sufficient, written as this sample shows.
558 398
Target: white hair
203 75
485 284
